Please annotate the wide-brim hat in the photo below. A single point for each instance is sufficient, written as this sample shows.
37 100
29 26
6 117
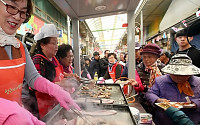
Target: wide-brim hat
151 48
181 64
48 30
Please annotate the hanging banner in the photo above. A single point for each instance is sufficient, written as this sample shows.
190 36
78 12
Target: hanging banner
184 23
198 13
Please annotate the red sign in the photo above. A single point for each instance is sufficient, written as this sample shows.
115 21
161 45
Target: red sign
125 25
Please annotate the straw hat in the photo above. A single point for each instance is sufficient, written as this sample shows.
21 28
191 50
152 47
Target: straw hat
181 64
48 30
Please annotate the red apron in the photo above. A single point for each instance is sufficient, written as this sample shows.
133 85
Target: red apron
46 102
113 73
12 76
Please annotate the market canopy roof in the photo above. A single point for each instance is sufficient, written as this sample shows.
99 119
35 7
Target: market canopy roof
108 30
178 11
84 9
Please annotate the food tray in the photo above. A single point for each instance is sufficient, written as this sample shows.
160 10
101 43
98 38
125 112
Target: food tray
178 105
123 114
116 94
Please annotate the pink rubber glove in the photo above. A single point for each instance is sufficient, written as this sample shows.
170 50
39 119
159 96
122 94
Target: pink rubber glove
101 80
88 76
45 86
11 113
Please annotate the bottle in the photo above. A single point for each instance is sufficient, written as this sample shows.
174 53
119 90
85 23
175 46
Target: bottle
96 76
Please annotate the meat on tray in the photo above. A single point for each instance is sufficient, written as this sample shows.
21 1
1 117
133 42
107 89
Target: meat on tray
92 100
96 91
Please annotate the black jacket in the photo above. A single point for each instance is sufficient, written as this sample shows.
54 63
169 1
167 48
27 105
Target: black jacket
95 67
103 65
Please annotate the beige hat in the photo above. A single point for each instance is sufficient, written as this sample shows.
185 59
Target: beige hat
181 64
48 30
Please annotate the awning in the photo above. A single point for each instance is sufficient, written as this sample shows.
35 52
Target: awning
178 11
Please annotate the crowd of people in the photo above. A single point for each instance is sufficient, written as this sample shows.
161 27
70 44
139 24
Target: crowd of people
159 75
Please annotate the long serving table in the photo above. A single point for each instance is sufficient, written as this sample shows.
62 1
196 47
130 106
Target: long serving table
138 106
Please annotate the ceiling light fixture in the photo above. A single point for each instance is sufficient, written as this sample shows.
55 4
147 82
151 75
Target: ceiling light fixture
100 8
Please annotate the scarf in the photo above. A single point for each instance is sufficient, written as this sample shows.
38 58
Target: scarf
110 65
6 39
185 88
154 72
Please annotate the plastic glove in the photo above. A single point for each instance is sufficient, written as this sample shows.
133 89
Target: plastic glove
101 80
11 113
88 76
63 97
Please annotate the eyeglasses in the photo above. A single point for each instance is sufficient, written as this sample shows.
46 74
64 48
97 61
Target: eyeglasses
14 10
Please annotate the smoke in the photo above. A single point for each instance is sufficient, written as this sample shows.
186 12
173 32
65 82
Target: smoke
69 84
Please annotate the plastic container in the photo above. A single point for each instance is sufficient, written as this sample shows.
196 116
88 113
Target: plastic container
145 118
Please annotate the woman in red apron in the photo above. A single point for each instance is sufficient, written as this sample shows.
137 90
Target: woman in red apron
47 65
65 56
114 70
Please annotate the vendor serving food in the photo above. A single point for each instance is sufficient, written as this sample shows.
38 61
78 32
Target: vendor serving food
176 86
16 65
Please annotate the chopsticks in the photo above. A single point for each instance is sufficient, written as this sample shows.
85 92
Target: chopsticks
87 121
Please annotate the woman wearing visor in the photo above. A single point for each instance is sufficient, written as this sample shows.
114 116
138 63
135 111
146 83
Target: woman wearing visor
16 65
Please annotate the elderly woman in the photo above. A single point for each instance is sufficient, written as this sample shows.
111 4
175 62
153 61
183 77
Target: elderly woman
65 56
178 84
150 66
148 70
47 64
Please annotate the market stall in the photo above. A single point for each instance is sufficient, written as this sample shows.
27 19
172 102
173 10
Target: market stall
101 104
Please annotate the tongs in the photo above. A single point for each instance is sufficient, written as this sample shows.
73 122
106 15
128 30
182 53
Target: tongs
87 121
133 96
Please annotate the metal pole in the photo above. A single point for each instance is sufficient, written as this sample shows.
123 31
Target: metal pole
141 28
68 30
76 46
131 45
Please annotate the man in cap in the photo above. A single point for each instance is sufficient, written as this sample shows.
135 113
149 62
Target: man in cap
94 65
138 59
186 48
178 84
